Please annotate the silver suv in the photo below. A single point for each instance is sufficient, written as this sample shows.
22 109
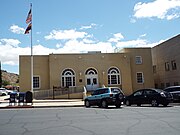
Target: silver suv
103 97
175 91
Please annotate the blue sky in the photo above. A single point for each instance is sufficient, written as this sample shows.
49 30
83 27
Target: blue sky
79 26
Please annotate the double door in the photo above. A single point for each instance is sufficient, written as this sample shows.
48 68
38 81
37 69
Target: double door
92 82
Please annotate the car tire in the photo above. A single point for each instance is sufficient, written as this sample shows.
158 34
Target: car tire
3 94
118 105
104 104
128 103
87 103
154 103
138 104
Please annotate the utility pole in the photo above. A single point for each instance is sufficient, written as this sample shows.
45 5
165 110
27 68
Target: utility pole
0 76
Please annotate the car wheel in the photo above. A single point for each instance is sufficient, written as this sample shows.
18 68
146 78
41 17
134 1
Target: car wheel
128 103
87 104
3 94
154 103
118 105
104 104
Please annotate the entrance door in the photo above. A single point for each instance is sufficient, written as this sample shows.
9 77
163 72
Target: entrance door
91 82
91 79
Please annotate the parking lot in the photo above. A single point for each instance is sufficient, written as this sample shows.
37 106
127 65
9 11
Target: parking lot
132 120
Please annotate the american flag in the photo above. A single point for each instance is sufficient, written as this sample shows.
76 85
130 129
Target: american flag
28 28
29 17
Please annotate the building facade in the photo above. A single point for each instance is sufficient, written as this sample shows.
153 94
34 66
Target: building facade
166 63
130 69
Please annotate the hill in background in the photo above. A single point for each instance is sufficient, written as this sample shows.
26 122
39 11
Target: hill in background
11 78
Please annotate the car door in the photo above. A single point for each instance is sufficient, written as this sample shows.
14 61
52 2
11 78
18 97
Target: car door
137 97
92 98
148 95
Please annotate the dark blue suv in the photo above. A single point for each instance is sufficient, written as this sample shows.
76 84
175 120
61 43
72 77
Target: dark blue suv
103 97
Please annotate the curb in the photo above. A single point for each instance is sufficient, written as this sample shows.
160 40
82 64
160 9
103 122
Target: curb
21 107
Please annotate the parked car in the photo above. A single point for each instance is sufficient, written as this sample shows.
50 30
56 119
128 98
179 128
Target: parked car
149 96
3 92
175 91
103 97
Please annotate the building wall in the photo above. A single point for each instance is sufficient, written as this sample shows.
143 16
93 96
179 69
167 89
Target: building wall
145 67
41 69
79 63
50 68
163 54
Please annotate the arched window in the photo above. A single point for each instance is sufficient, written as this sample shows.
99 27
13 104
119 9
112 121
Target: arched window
68 78
113 76
91 71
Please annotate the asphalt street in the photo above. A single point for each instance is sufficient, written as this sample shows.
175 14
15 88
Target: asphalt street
91 121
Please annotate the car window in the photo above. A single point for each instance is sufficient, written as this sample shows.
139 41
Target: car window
172 89
115 90
177 89
149 92
95 92
102 91
138 93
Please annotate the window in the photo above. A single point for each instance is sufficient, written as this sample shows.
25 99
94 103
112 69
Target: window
68 78
167 66
162 85
149 92
113 76
173 63
138 60
167 84
154 68
138 93
36 82
156 85
139 77
176 83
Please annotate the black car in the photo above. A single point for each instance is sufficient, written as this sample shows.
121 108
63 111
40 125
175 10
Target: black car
175 91
103 97
149 96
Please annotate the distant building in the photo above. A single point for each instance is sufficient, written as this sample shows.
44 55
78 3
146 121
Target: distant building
130 69
166 63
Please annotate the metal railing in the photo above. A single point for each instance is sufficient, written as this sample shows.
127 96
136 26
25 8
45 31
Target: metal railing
59 91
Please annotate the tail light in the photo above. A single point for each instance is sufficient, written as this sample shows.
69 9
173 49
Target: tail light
111 95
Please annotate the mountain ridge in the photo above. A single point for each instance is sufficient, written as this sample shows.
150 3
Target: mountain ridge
12 78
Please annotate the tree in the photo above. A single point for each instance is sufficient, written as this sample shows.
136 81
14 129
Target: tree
5 82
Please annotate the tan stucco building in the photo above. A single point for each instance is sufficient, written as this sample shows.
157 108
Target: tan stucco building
166 63
130 69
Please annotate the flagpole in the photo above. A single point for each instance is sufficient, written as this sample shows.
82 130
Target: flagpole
31 56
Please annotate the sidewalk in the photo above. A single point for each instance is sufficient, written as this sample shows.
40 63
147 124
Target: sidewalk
4 104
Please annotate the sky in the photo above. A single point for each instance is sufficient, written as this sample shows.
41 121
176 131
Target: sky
79 26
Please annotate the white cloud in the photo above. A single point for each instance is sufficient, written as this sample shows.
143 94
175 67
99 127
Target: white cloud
10 51
143 35
80 46
10 42
88 27
132 43
16 29
116 38
162 9
137 43
65 35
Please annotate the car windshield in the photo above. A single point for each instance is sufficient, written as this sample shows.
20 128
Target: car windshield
115 90
159 90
